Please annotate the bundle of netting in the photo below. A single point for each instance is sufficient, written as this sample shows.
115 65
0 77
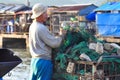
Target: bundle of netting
76 44
72 39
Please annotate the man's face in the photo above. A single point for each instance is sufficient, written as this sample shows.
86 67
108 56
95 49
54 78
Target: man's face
45 16
42 18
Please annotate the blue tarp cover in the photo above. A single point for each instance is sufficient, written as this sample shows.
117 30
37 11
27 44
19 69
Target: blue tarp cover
109 6
87 10
91 16
108 24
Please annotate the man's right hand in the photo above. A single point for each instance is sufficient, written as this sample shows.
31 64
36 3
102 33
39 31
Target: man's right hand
62 31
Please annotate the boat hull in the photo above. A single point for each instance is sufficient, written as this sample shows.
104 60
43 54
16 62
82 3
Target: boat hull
8 61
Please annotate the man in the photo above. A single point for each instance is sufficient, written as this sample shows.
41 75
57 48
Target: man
10 25
41 42
22 22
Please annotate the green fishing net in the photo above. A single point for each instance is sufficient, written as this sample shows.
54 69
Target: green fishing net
76 43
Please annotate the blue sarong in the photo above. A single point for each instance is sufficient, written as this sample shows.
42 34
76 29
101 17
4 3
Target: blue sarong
41 69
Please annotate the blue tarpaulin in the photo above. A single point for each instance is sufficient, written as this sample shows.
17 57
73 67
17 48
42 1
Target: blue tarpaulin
88 12
91 16
109 6
108 24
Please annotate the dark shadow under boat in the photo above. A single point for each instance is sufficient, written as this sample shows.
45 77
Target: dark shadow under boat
8 61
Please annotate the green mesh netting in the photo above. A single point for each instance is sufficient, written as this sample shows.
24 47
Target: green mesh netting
74 44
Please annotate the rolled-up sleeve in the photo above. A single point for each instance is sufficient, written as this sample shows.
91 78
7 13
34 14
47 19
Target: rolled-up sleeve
49 38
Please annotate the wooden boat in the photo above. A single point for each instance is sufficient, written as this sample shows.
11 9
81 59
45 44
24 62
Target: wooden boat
8 61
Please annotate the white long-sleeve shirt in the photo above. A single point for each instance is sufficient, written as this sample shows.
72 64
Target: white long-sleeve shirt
41 41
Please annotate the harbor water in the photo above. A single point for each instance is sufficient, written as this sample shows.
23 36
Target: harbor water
21 71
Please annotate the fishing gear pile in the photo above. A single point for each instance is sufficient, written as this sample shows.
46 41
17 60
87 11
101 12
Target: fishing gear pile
80 45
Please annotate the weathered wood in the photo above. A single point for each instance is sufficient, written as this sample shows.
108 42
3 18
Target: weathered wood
109 39
17 36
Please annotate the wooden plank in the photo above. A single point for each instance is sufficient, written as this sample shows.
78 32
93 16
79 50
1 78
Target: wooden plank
1 42
13 36
22 36
110 39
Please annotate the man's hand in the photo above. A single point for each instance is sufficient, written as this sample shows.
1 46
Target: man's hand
62 31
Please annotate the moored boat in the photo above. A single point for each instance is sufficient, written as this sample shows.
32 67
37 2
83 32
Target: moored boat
8 61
